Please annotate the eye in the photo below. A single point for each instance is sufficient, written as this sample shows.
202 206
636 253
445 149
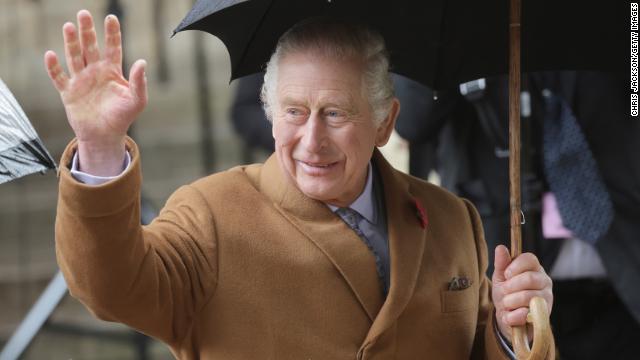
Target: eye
336 116
295 114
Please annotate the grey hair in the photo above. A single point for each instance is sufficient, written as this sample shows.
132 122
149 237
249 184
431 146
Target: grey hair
336 40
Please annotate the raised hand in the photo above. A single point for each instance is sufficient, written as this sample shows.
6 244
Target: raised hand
515 283
100 103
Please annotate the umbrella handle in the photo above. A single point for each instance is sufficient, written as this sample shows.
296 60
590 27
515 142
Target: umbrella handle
538 317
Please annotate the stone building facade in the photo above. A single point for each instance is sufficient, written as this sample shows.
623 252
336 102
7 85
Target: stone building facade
168 132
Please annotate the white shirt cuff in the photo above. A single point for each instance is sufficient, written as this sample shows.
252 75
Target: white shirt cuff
89 179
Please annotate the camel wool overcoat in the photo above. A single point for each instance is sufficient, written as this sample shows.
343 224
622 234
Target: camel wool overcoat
242 265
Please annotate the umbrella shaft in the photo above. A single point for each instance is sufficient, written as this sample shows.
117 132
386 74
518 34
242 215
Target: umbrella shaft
514 128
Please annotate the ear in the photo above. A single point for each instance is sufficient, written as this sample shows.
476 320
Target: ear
273 123
383 133
273 128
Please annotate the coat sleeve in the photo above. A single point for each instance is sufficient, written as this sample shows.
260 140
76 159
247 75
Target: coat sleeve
487 344
154 278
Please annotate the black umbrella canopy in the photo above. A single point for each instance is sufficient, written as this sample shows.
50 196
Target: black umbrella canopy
437 42
21 151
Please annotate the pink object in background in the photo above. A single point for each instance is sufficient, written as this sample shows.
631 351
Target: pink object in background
552 226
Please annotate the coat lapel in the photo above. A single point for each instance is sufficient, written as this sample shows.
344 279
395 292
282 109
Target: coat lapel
346 250
329 233
407 226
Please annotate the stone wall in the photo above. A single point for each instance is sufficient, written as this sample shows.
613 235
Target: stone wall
168 133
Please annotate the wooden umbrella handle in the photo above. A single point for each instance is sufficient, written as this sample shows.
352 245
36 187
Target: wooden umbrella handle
538 317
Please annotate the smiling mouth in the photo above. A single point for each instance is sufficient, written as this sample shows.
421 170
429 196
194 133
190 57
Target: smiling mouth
316 168
318 165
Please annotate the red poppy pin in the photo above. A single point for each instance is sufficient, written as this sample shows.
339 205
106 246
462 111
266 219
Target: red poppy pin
420 213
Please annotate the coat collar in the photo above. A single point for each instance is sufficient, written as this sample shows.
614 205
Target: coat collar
347 251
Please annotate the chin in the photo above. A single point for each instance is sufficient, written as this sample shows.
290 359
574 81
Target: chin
317 192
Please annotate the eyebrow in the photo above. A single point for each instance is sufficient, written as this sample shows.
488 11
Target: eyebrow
326 102
344 105
291 101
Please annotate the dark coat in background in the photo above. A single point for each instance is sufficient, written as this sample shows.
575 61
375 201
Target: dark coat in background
247 115
471 162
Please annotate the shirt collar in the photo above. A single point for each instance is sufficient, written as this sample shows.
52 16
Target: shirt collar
364 204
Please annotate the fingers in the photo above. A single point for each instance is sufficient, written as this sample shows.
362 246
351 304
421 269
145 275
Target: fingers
502 259
527 281
113 40
55 71
138 82
81 44
517 317
72 48
88 38
523 263
521 299
519 291
524 279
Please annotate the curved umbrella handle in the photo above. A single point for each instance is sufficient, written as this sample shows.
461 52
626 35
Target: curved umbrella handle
538 317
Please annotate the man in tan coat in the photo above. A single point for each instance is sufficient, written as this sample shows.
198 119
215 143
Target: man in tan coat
323 252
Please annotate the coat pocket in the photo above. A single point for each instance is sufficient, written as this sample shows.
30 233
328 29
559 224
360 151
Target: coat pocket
458 300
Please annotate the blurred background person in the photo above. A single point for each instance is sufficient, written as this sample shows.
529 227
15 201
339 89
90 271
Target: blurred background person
417 100
248 118
580 190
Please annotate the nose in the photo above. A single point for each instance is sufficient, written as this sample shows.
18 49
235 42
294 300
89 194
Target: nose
315 136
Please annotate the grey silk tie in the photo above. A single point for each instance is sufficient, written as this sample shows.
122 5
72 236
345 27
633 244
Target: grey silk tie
352 218
572 173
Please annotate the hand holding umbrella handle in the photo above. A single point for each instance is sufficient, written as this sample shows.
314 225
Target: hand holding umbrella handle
538 317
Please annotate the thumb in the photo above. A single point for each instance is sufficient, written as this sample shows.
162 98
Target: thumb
501 261
138 82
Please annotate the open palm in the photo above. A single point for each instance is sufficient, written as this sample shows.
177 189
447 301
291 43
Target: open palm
100 103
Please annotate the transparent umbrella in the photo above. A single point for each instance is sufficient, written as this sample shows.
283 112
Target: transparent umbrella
21 151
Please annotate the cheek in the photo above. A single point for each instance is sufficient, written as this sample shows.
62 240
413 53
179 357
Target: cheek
359 145
284 134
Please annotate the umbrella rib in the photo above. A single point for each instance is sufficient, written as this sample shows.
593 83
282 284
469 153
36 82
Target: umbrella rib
251 39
